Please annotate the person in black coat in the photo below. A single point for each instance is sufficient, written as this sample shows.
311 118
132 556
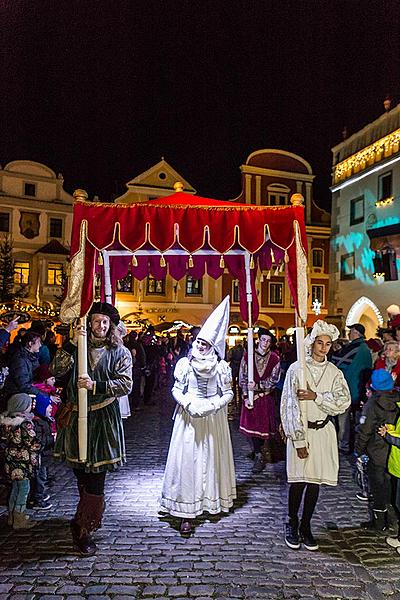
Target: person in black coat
380 408
22 365
42 424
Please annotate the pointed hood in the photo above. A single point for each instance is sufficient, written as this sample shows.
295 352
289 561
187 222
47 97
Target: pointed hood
215 328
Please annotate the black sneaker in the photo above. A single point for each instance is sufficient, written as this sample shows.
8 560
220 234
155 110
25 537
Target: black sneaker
292 537
259 464
308 540
42 505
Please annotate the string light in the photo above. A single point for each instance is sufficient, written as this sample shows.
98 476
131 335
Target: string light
28 308
367 156
384 202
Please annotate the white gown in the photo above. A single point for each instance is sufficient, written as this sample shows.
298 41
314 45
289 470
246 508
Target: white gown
333 398
200 473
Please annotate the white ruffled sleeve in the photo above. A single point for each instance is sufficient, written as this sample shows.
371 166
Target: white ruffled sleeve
179 390
290 409
224 385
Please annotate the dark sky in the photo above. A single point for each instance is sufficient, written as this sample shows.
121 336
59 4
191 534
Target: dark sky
100 90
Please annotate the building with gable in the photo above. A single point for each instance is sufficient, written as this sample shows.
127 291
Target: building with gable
269 177
36 213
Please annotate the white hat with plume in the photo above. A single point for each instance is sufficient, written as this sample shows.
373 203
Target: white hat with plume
215 328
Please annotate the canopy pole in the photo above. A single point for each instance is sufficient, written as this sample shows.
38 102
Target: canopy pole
107 276
250 343
301 357
82 393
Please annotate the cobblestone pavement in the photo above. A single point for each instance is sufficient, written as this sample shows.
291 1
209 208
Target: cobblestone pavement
238 556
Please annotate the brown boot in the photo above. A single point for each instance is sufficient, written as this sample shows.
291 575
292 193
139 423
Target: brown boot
22 521
87 519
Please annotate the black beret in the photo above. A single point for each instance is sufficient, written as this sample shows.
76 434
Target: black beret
104 308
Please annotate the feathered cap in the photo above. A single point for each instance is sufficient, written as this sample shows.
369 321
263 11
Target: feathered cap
215 328
320 328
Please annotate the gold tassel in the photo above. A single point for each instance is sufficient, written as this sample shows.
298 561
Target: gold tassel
272 256
282 267
286 257
134 261
262 277
276 271
269 274
222 262
191 264
162 261
100 260
251 262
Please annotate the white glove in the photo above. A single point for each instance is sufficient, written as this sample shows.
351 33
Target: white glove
200 408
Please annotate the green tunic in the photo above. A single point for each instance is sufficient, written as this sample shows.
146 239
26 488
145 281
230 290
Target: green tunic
111 369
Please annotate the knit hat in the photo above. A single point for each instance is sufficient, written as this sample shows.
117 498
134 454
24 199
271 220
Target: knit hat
43 373
381 380
18 403
42 402
215 328
105 308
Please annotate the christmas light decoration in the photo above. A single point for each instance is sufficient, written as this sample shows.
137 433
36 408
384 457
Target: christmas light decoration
384 202
316 306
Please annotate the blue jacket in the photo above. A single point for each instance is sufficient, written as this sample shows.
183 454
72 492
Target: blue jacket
355 362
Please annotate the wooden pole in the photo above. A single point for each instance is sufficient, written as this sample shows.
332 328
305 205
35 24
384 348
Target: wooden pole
82 393
250 342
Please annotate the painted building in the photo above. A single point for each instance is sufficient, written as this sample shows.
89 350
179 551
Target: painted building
269 177
365 247
36 213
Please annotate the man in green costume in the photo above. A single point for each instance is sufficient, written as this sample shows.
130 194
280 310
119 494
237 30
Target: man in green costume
109 376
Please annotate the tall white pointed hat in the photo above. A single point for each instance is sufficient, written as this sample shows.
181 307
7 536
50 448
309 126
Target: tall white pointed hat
215 328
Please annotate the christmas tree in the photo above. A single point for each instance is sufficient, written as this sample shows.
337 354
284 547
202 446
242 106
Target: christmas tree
6 270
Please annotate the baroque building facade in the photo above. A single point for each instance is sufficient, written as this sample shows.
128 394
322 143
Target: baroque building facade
36 215
269 177
365 250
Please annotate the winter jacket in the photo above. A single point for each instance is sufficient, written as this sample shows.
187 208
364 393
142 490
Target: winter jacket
355 362
381 408
18 435
21 367
44 436
393 438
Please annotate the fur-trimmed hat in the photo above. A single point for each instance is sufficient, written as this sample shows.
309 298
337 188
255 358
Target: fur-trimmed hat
105 308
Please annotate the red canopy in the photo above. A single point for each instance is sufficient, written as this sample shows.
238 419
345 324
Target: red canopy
182 223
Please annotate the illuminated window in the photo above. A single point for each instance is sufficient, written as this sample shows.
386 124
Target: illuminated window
235 291
347 266
21 272
317 257
29 189
318 293
156 286
385 186
5 222
193 286
276 293
54 274
56 228
125 284
357 210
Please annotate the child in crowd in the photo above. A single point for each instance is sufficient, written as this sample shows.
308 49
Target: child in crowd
391 433
21 456
45 381
381 407
42 424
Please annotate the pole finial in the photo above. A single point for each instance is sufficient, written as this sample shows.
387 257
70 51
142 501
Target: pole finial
80 195
297 199
178 186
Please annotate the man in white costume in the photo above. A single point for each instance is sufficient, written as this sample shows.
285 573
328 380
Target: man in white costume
312 455
200 474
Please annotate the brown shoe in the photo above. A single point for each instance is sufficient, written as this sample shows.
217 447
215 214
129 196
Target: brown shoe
186 527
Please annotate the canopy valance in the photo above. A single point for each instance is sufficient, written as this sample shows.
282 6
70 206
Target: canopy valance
184 234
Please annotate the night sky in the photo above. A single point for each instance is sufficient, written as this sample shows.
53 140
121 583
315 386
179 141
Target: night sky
100 90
